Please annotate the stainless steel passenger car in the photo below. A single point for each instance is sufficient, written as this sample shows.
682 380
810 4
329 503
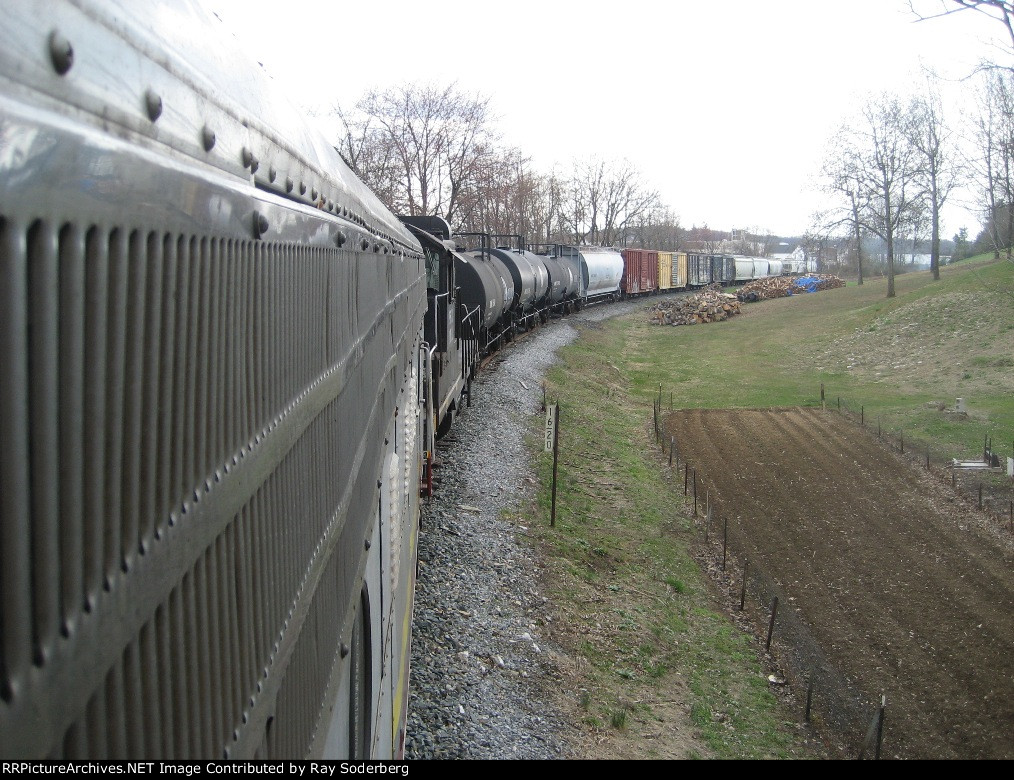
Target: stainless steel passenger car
211 337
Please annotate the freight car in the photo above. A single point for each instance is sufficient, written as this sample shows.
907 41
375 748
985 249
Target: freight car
640 272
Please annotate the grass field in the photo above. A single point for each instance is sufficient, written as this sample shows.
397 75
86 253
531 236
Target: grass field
662 673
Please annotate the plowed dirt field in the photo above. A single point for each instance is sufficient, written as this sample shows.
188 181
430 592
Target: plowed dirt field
906 589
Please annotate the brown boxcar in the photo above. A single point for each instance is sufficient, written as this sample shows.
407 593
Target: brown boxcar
640 271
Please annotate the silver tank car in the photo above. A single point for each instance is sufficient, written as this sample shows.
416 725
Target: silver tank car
601 270
211 338
744 269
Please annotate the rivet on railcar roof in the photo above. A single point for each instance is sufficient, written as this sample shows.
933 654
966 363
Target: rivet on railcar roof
364 244
260 224
208 138
302 188
313 194
248 157
367 544
272 174
153 103
340 238
345 650
288 184
254 165
60 52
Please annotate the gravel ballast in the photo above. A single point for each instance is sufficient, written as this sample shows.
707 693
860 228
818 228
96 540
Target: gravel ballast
480 667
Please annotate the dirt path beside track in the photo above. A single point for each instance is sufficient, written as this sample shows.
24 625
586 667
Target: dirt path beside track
907 590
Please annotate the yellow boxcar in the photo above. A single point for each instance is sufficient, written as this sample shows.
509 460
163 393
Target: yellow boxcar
665 270
679 270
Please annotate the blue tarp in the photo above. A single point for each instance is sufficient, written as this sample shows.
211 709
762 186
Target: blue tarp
806 284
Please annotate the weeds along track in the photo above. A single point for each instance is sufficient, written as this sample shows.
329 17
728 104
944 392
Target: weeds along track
905 589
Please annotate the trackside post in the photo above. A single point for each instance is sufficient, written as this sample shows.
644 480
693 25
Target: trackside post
553 443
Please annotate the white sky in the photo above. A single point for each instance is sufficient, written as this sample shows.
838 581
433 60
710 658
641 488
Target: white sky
726 106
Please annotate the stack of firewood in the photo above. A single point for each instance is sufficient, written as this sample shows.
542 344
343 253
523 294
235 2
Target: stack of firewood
709 305
780 286
762 289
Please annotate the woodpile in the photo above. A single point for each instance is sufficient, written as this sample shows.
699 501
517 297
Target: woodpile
709 305
781 286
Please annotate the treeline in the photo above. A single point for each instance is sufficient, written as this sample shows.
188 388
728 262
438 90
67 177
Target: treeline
435 150
896 161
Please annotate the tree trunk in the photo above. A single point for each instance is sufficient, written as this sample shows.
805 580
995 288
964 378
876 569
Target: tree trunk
935 243
890 263
859 241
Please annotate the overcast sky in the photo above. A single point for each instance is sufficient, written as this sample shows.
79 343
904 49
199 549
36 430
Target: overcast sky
726 106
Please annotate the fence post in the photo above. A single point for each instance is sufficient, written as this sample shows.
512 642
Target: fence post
875 734
725 542
771 624
556 459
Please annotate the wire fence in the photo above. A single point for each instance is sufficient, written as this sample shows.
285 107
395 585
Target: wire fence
850 720
982 479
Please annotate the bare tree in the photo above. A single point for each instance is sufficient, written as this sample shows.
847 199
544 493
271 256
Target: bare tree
932 136
659 228
992 164
890 173
844 176
418 146
604 199
1001 11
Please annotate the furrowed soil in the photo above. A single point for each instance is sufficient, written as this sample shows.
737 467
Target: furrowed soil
903 588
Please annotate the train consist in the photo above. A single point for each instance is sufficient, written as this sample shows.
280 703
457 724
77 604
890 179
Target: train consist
225 368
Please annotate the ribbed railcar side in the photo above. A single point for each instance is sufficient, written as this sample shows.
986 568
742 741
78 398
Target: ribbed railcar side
209 406
679 270
665 270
